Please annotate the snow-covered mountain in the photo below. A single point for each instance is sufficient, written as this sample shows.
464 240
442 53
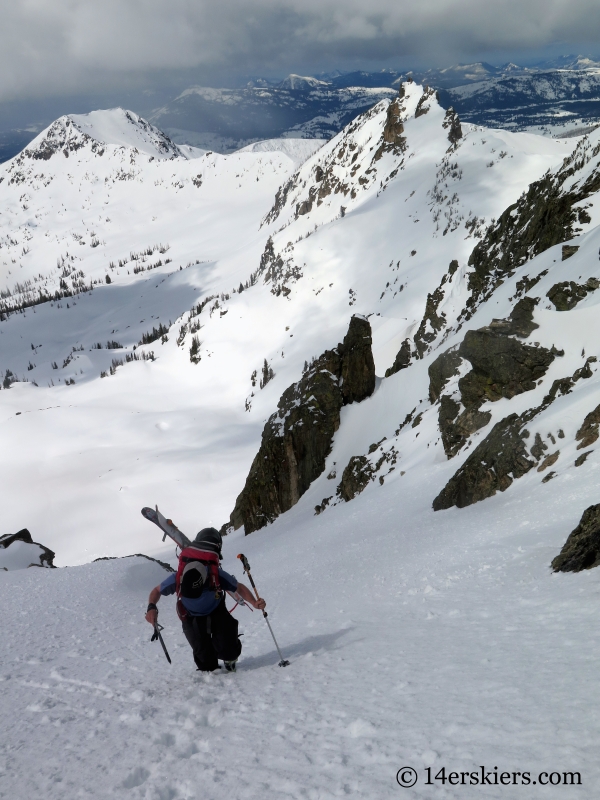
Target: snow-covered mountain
555 97
418 555
179 237
303 83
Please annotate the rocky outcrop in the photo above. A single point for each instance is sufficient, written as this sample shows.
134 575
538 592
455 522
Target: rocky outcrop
35 556
588 432
393 128
424 103
452 124
297 438
355 478
520 323
545 215
568 250
279 273
456 428
393 139
502 366
502 456
582 548
433 322
562 386
402 359
445 366
549 461
357 374
565 296
498 460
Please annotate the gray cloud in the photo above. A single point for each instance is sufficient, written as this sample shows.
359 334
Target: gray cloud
68 46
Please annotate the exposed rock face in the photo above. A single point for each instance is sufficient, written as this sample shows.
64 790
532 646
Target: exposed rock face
502 456
582 548
297 438
355 478
565 296
582 458
357 365
565 385
445 366
502 367
433 322
452 123
538 448
402 359
423 105
44 555
520 322
549 461
393 128
456 428
498 460
588 433
568 250
393 137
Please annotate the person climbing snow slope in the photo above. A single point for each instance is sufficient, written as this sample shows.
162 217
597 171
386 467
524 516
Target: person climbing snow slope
200 585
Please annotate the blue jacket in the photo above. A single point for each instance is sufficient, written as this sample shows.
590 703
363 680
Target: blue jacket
207 602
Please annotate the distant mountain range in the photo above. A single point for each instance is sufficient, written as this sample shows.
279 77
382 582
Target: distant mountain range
555 98
301 108
558 97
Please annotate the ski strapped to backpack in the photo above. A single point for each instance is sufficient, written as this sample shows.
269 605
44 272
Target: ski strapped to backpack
197 568
169 529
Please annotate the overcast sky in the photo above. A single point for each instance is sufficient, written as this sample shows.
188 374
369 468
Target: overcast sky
61 47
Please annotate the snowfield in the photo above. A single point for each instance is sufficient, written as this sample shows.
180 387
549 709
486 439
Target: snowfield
416 638
438 641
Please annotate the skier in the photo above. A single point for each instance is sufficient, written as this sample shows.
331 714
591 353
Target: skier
207 624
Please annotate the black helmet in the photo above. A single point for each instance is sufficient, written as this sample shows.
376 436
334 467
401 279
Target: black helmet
209 539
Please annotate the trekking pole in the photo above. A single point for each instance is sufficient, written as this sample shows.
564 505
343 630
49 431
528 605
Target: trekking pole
283 662
156 635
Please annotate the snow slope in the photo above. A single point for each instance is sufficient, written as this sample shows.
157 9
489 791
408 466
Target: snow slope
454 647
297 149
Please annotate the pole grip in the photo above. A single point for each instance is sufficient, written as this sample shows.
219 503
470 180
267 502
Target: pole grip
246 566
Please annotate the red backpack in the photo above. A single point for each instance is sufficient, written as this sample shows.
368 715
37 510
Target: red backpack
197 569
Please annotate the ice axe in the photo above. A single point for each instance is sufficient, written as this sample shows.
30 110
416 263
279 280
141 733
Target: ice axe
283 662
156 635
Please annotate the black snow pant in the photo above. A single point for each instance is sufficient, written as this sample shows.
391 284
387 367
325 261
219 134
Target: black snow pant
212 637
